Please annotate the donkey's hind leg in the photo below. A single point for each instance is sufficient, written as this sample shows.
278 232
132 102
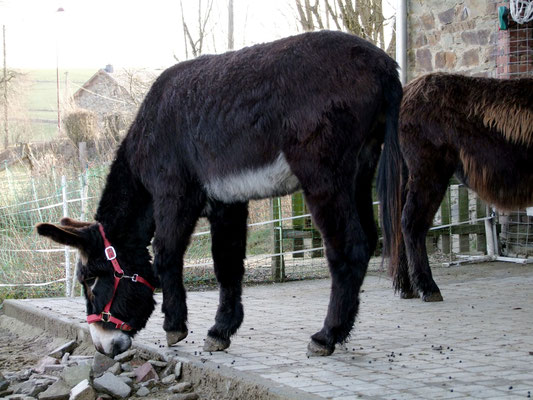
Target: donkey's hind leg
176 211
228 235
425 193
401 277
348 252
366 168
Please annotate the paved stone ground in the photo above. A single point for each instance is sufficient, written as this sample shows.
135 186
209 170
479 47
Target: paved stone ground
478 343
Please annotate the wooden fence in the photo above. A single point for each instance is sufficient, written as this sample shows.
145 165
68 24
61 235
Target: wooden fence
459 228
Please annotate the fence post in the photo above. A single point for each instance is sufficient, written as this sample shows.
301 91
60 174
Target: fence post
491 251
278 263
464 215
446 219
68 288
298 208
495 232
83 177
82 146
481 212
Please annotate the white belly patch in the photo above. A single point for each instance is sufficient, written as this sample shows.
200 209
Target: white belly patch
266 181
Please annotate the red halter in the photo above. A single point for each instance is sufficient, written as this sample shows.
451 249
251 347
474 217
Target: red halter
105 315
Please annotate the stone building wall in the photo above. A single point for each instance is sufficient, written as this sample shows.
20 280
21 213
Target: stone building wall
103 95
452 36
113 106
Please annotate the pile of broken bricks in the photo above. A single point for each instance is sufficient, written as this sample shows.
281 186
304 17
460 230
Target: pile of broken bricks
62 375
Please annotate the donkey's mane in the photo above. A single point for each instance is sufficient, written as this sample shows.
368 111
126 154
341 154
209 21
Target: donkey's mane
513 121
502 105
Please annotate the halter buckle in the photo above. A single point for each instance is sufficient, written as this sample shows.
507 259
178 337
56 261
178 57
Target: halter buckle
110 253
134 277
106 316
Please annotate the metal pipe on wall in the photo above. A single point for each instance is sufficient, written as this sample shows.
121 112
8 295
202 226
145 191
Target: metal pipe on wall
401 38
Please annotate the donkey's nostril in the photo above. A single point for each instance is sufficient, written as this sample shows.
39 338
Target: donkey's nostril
99 348
121 344
109 341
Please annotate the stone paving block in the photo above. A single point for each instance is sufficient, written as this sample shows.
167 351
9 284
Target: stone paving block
314 388
335 393
478 339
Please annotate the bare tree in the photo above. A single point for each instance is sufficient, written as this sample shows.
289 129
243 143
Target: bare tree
137 82
195 43
363 18
15 116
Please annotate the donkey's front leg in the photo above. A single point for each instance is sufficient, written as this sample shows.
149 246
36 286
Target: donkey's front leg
169 267
228 234
175 218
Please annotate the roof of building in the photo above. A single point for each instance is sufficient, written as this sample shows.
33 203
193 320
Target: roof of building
134 82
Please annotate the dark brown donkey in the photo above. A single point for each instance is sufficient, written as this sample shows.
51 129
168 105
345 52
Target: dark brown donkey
479 129
310 111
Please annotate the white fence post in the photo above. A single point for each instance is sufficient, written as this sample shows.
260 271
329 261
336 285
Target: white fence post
488 237
82 146
68 287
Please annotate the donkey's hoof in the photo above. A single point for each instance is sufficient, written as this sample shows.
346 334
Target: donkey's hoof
315 349
216 344
409 295
174 337
431 297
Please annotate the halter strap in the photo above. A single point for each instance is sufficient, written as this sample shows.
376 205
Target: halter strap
105 315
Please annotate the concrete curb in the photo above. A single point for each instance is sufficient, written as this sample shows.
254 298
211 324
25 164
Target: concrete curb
209 378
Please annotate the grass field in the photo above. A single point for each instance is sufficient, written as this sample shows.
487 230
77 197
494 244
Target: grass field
41 101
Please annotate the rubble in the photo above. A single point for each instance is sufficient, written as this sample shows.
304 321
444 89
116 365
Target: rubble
61 375
61 350
113 385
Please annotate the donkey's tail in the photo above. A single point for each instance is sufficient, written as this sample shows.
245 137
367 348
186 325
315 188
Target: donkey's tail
391 182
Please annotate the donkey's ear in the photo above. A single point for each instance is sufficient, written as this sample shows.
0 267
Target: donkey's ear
62 234
73 223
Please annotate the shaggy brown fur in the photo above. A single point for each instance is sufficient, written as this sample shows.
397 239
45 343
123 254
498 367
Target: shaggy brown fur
479 129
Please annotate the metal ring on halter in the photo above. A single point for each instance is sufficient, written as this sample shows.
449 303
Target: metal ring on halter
110 253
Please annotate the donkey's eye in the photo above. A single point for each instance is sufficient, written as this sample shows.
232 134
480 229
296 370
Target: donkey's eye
90 281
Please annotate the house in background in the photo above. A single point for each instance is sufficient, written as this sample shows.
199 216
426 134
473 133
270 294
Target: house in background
114 96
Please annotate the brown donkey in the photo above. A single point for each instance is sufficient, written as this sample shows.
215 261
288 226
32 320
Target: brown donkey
479 129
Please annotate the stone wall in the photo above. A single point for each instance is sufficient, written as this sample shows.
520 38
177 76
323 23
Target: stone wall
452 36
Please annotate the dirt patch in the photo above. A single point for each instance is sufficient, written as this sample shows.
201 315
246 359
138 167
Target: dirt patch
21 345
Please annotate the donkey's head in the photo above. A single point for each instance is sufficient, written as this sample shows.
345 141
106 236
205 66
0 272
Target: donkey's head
117 282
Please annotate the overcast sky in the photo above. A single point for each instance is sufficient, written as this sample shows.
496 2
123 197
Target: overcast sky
128 33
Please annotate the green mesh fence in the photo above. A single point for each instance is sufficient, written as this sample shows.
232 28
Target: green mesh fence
282 242
31 266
